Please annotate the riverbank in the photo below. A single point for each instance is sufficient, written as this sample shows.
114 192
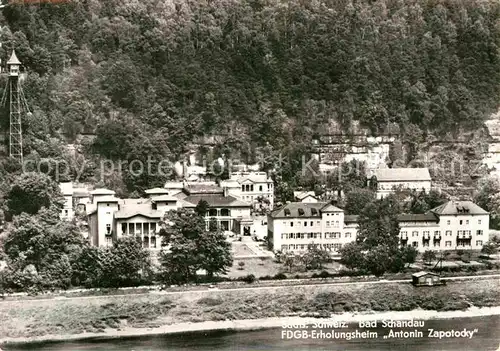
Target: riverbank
121 316
258 324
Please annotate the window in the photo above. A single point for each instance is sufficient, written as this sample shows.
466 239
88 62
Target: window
153 242
108 228
291 224
414 233
447 243
461 222
260 187
478 221
336 224
448 222
284 247
436 243
108 213
347 235
479 232
448 232
437 233
312 223
479 243
414 244
305 224
328 224
109 241
466 221
66 212
426 233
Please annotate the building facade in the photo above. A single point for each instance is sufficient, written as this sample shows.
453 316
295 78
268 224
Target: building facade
250 187
111 218
390 179
455 225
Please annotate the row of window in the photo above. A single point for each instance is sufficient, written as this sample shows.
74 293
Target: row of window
300 235
334 247
302 223
446 244
328 235
329 224
461 221
249 187
437 233
146 243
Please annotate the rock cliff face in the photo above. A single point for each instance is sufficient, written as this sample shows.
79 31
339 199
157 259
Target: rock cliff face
492 156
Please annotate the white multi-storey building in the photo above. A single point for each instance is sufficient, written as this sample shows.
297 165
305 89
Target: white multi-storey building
110 218
390 179
250 186
451 226
296 225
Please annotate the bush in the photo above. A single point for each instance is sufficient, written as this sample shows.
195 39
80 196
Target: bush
249 278
324 274
266 277
280 276
209 301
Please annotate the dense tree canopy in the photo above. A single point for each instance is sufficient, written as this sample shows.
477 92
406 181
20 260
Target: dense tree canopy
193 247
266 71
31 192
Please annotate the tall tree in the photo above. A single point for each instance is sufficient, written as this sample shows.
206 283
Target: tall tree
30 192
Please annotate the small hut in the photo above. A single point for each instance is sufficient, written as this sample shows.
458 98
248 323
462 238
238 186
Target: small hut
426 279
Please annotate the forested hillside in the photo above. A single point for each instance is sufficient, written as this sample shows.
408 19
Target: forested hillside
153 74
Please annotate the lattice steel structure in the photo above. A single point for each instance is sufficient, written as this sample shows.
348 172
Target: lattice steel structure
17 105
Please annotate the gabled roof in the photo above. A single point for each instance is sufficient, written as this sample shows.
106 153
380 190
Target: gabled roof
164 198
301 195
402 174
202 188
156 191
420 217
102 191
330 208
294 210
216 200
254 177
140 209
422 273
13 59
107 199
459 207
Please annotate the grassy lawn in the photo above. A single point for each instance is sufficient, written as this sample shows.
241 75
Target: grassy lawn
267 267
74 316
256 266
241 249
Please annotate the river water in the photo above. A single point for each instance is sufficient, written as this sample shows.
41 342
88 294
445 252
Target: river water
485 338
